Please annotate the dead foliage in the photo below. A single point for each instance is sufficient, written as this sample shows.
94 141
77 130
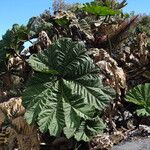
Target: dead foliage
15 132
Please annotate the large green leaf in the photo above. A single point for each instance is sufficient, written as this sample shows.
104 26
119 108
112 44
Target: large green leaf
65 90
140 95
99 10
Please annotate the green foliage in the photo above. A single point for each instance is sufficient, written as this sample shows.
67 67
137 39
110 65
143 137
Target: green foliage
140 96
99 10
66 93
15 37
89 128
11 43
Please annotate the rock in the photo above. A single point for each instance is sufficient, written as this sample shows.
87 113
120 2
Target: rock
140 144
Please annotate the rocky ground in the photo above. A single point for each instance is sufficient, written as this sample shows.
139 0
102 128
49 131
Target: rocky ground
140 144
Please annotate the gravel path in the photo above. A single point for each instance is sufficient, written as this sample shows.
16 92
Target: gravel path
141 144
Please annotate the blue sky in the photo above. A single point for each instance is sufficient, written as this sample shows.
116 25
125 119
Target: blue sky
19 11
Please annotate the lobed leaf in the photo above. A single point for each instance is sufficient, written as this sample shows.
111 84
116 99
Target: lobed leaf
65 91
140 95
